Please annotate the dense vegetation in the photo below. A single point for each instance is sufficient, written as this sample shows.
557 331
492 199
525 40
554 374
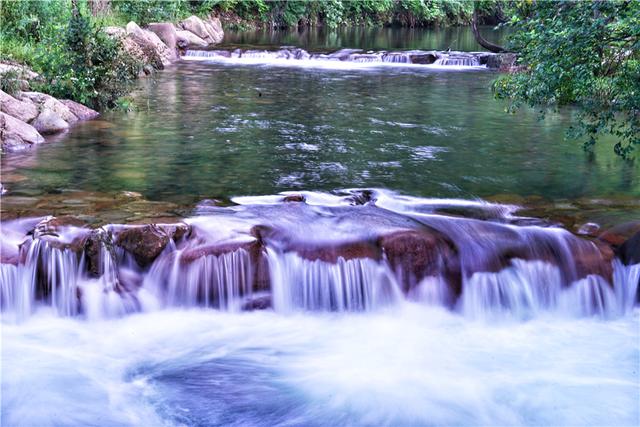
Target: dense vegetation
585 54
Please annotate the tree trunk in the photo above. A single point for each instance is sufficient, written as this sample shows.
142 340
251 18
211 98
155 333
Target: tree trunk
481 40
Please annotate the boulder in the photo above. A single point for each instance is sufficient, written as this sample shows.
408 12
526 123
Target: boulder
165 32
49 102
216 28
16 134
22 110
186 39
630 250
202 29
79 110
150 43
146 242
416 254
49 122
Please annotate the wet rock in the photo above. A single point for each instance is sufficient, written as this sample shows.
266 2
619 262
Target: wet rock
145 243
16 134
49 102
630 250
48 122
257 302
589 229
79 110
294 198
330 252
618 235
423 58
186 39
416 254
165 32
22 110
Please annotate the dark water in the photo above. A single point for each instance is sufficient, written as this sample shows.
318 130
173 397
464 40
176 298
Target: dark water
454 38
206 130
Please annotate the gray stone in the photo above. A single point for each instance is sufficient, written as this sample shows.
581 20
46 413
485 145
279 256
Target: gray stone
49 102
22 110
16 134
80 111
49 122
188 39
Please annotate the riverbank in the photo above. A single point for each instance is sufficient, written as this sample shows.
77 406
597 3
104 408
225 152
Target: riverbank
26 117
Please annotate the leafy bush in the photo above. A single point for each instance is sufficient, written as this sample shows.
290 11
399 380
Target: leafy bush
585 54
84 64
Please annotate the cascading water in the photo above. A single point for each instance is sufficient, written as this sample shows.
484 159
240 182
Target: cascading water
218 281
346 285
344 56
479 268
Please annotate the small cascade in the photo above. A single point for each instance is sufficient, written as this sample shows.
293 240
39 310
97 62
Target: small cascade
326 253
457 61
397 58
57 277
217 281
358 284
343 56
626 285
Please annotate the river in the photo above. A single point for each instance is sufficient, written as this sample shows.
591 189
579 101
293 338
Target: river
413 248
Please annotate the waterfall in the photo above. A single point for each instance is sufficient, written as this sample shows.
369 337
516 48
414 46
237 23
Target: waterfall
358 284
57 277
343 56
324 254
217 281
457 61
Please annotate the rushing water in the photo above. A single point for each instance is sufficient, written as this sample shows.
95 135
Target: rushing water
376 308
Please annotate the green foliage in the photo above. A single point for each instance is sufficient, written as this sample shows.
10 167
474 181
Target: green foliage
84 64
145 11
585 54
32 20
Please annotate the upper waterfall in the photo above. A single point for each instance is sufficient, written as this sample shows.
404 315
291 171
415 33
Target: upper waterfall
347 58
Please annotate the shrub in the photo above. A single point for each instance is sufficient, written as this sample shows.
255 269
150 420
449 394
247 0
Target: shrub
82 63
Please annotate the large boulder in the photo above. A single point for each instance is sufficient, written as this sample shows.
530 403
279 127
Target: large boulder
186 39
49 122
49 102
165 32
79 110
146 242
216 28
416 254
630 250
202 29
22 110
16 134
150 43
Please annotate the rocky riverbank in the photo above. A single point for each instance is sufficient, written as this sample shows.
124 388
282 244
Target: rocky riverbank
27 117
